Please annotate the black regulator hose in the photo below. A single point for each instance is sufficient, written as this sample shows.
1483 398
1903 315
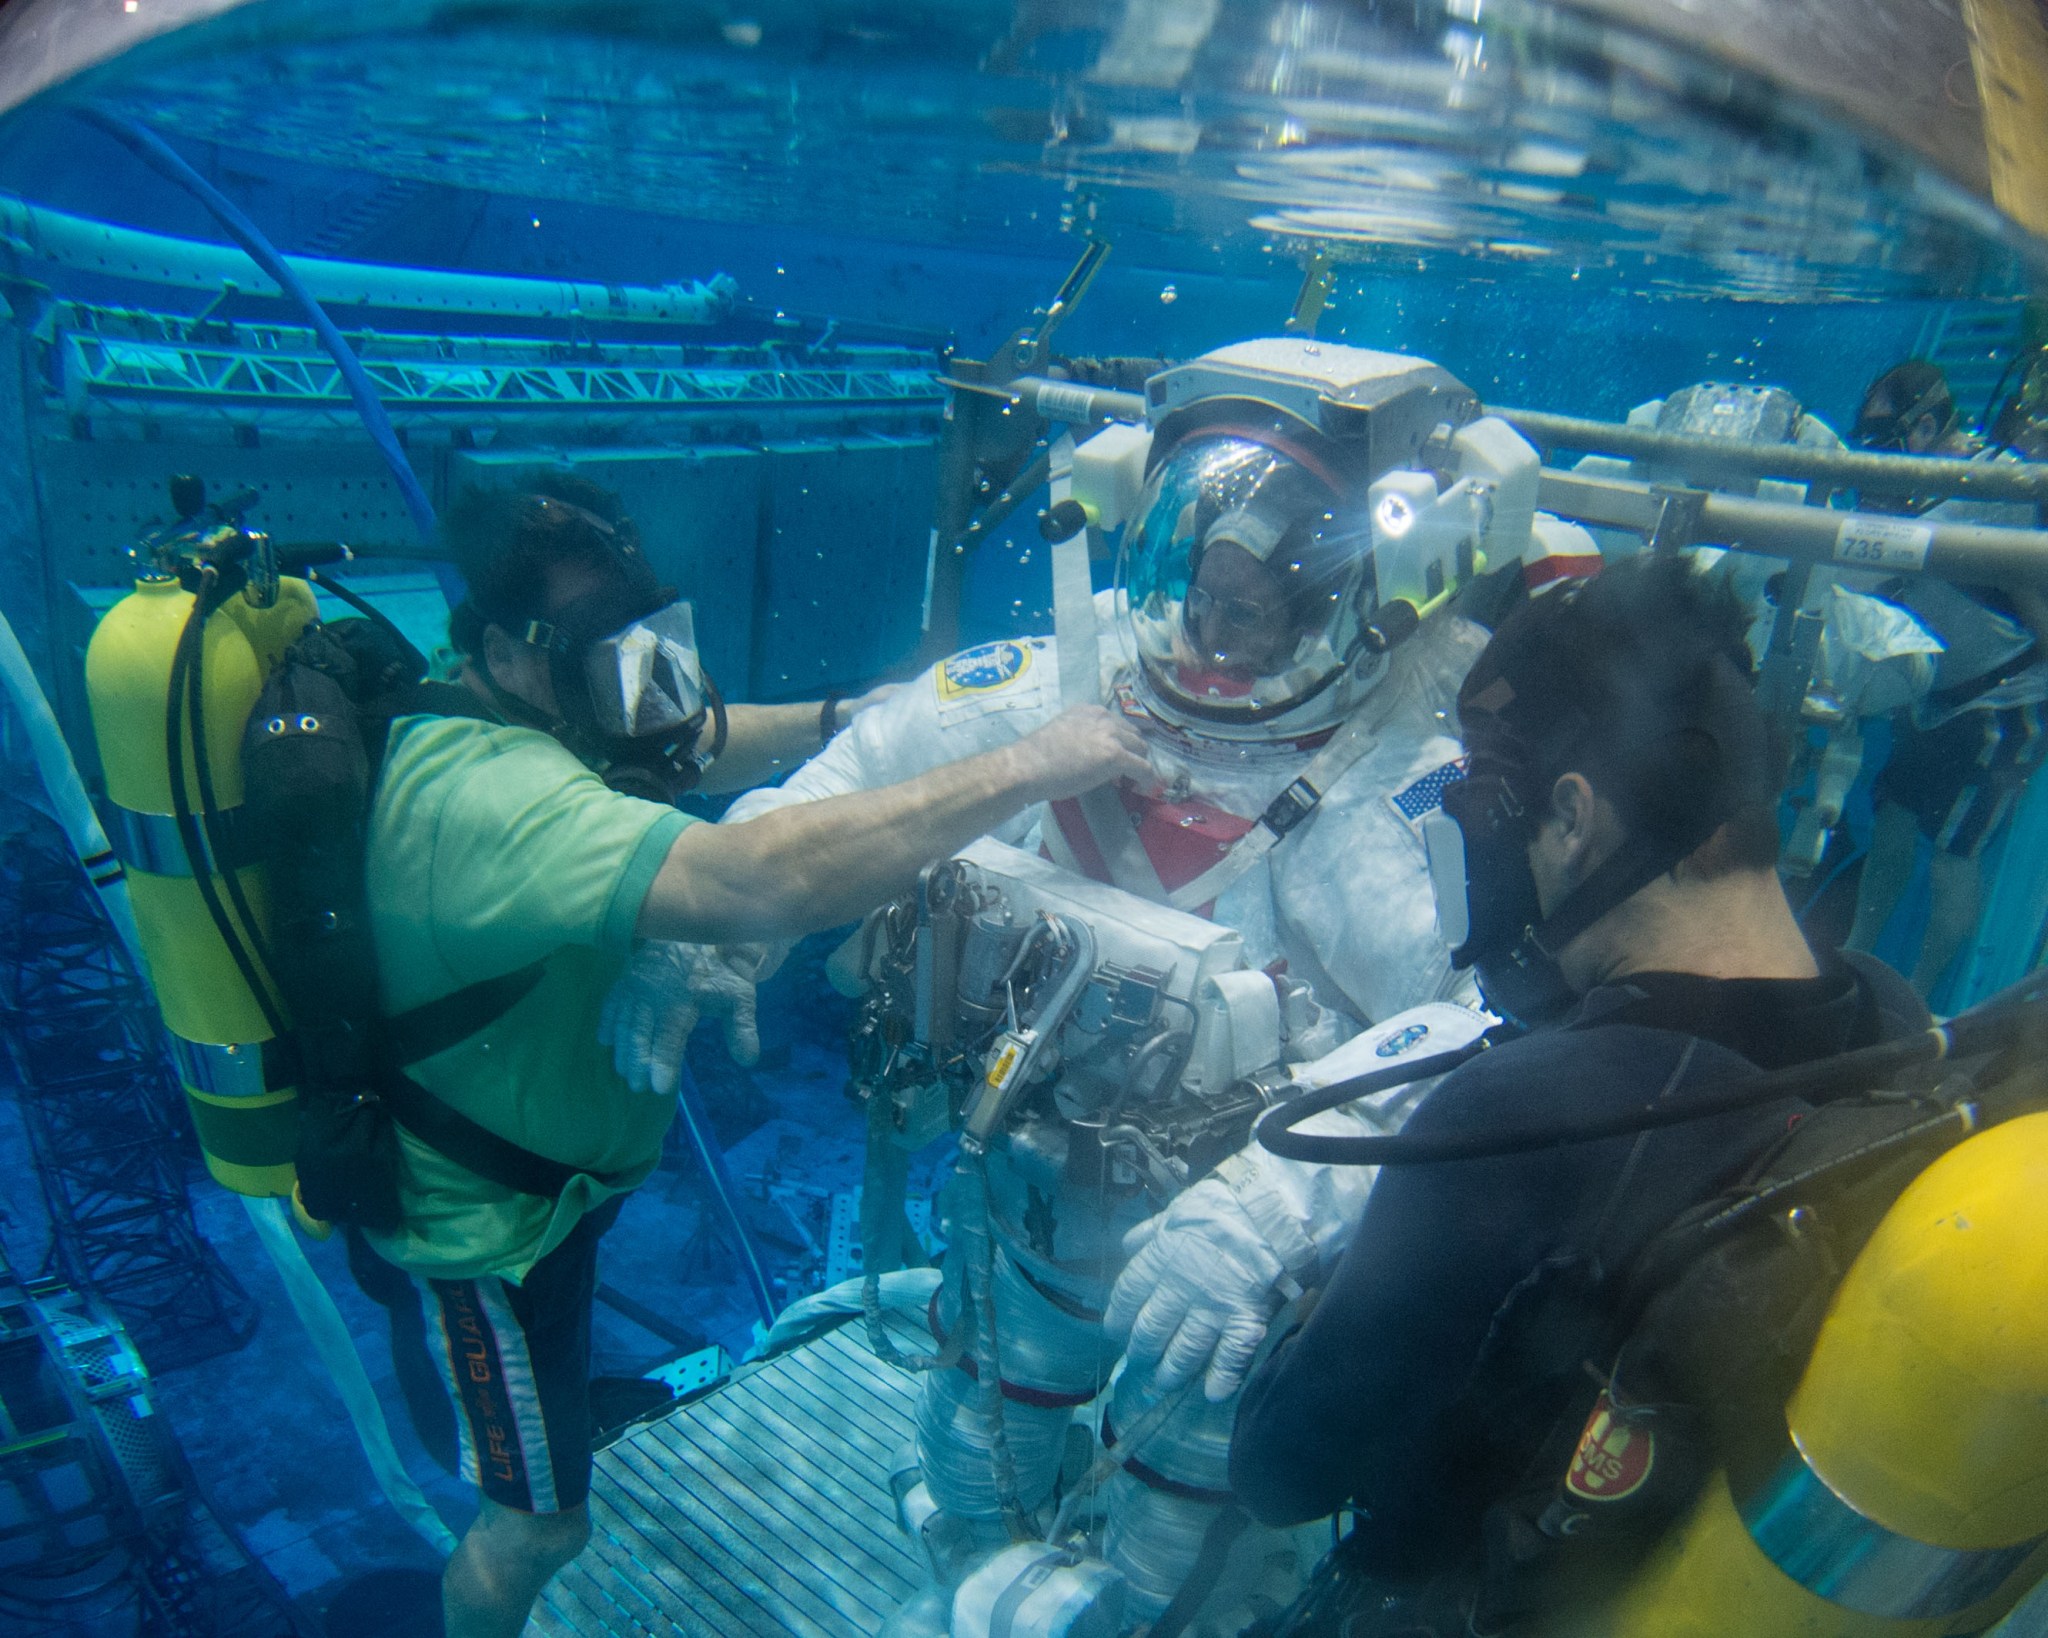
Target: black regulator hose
1999 1022
201 855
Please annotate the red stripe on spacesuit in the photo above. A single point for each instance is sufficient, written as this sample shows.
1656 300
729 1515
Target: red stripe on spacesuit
1182 839
1543 571
1066 813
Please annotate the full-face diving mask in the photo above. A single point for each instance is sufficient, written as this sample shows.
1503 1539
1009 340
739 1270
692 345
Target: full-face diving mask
645 679
632 691
1248 589
634 696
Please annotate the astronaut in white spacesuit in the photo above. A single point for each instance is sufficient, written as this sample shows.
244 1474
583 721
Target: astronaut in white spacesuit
1277 634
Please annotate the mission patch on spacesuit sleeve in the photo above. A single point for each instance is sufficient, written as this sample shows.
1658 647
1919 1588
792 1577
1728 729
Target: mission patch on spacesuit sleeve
976 673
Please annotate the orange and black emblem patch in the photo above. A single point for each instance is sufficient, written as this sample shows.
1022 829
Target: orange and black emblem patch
1614 1457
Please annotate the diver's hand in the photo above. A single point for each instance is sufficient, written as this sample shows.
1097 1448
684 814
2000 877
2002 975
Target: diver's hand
879 694
650 1011
1083 747
1197 1294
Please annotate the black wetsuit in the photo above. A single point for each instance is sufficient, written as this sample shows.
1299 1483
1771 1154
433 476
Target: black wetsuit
1412 1392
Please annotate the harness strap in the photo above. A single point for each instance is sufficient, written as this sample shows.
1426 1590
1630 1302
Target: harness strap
475 1148
420 1033
1287 810
451 1019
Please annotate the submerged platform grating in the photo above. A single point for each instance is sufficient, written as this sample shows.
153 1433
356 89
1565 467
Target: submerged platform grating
761 1509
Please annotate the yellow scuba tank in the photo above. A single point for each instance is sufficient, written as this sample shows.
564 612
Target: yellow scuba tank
1912 1496
246 1127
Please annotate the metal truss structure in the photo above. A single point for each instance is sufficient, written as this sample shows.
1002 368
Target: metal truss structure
109 358
103 1526
101 1108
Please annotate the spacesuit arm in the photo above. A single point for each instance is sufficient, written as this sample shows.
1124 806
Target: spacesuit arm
1307 1212
911 732
1207 1273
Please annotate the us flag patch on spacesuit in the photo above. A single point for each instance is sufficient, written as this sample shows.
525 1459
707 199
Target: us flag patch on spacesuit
1417 801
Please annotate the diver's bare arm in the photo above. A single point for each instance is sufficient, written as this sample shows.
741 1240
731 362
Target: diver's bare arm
818 864
762 741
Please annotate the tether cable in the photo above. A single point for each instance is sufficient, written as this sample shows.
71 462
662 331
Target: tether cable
1996 1023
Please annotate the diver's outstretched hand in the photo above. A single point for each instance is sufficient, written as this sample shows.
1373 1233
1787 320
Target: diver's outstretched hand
657 1000
1081 748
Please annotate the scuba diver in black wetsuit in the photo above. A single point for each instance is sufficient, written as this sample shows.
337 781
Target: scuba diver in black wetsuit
1618 840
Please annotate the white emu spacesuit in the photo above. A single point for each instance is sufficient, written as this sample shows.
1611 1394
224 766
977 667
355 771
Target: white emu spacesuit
1276 635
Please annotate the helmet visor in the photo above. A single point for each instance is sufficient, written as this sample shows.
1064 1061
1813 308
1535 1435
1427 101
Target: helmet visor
1244 578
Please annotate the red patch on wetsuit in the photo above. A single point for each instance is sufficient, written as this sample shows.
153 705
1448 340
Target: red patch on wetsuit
1614 1457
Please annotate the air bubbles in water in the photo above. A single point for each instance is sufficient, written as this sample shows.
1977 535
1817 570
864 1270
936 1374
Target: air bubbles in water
1168 295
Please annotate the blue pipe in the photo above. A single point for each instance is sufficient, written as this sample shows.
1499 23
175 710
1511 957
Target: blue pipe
691 1107
159 156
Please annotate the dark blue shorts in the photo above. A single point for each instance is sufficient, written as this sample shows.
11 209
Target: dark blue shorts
516 1359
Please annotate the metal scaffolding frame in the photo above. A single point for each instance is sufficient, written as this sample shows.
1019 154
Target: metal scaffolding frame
105 357
102 1108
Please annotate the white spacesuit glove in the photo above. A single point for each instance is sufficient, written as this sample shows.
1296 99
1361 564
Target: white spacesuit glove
658 999
1210 1271
1197 1293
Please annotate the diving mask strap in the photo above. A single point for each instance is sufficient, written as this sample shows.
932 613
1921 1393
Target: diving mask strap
1623 874
510 706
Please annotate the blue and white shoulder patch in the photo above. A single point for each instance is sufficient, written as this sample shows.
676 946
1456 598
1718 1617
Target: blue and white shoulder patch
977 672
1416 802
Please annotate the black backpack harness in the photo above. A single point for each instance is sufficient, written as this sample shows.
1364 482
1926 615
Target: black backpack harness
311 756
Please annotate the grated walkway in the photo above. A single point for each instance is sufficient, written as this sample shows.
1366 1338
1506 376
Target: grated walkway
761 1509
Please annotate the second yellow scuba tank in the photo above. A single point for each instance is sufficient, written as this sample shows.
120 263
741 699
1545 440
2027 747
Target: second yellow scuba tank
175 793
1911 1499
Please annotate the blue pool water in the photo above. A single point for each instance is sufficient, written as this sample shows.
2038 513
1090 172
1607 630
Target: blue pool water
889 187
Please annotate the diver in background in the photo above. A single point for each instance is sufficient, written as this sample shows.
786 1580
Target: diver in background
497 854
1962 754
1909 410
1621 799
2021 422
1961 757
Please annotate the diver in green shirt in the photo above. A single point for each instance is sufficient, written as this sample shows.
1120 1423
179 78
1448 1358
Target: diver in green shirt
530 843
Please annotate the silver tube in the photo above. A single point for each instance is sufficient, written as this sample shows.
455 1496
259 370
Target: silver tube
1723 458
335 1349
68 799
1075 402
1863 540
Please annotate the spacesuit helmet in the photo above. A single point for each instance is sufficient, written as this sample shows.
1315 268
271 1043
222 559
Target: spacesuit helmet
1246 582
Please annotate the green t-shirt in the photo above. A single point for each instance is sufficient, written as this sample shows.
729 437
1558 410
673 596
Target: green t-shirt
492 848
